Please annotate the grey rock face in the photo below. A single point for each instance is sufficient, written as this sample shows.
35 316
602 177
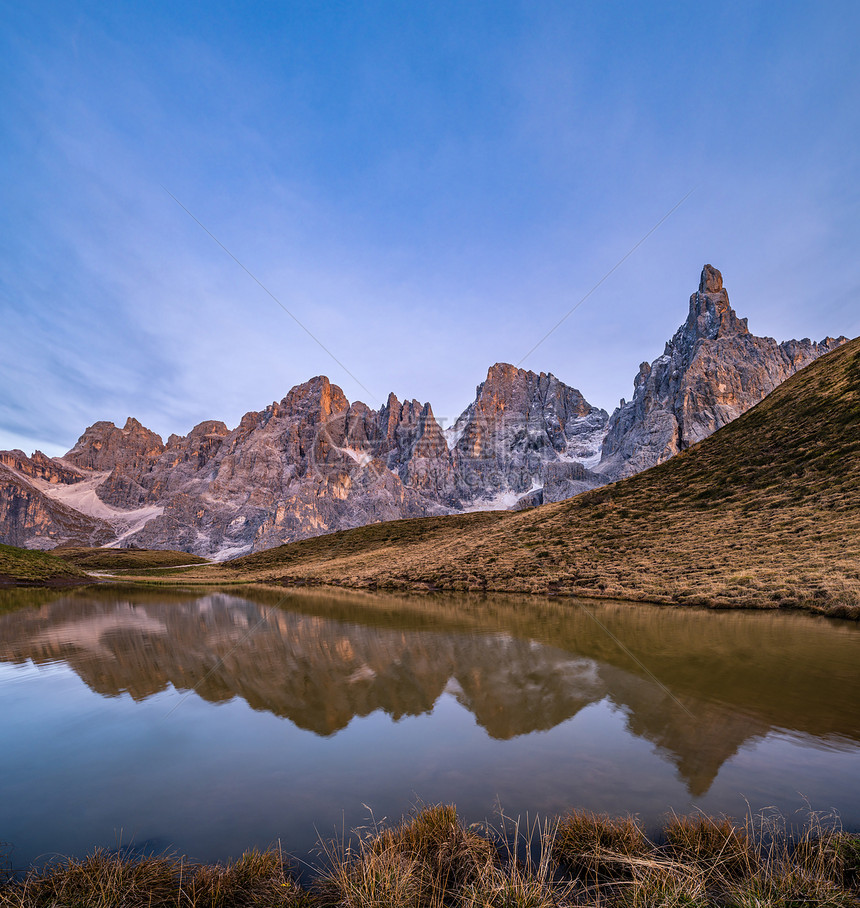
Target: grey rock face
310 464
413 446
564 480
711 372
129 453
39 466
519 423
561 480
103 447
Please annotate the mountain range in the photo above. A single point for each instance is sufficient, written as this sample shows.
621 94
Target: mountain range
764 513
314 463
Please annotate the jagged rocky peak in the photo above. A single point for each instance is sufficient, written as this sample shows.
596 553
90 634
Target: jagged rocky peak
209 427
423 460
40 466
407 429
204 436
197 447
103 446
523 397
519 421
399 422
316 414
405 439
432 439
711 372
314 400
313 463
128 453
509 389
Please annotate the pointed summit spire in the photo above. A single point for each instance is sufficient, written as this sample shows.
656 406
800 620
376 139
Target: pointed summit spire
711 315
711 280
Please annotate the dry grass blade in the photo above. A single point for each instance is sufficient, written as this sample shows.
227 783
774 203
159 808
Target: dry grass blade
421 861
526 876
102 880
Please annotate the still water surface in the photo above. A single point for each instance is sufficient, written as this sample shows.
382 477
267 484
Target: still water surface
210 722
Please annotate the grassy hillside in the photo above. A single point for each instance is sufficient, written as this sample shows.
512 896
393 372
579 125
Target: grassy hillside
23 566
764 513
96 559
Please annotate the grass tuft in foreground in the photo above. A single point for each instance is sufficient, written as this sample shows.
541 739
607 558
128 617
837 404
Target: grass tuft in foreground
431 860
108 880
592 844
712 842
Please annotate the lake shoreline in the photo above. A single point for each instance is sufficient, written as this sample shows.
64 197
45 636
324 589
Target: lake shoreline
432 858
837 610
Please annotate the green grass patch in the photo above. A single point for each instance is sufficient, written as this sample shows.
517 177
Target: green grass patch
26 566
95 559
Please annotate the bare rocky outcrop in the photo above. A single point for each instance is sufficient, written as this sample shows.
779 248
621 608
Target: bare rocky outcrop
309 464
128 453
711 372
40 466
414 447
31 518
561 480
103 446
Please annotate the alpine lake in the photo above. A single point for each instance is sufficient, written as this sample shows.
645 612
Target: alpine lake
204 723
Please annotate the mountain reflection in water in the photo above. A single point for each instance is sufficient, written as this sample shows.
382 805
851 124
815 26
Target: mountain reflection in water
702 684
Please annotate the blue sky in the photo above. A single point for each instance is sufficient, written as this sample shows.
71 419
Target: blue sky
428 187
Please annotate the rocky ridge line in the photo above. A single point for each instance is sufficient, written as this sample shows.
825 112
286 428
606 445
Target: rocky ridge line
315 463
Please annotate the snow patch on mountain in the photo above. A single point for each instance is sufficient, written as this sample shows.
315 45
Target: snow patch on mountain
82 497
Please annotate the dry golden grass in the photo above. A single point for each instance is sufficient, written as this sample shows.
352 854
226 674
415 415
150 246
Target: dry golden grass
597 844
762 514
431 860
710 842
421 862
107 880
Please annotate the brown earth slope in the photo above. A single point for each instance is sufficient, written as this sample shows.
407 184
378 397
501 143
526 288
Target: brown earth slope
764 513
